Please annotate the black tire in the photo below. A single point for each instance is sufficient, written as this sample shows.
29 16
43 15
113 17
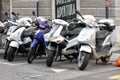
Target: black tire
6 49
105 59
31 55
50 58
11 53
83 60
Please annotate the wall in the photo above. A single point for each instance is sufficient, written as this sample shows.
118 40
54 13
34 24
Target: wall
25 7
4 7
92 7
97 8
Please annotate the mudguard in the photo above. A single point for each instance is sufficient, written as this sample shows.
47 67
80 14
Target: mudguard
86 48
14 44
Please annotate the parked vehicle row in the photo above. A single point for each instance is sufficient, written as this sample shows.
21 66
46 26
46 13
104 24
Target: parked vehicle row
82 39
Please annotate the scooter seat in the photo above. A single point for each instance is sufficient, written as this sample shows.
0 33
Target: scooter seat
101 34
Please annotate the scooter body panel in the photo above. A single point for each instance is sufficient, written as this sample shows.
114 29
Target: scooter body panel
86 48
17 35
11 30
14 44
87 36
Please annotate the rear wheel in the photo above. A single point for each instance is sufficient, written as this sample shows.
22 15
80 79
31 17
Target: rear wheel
83 60
105 59
50 58
11 53
31 54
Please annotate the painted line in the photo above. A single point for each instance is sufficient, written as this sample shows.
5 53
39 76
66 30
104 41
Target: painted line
33 76
115 77
58 70
20 63
13 64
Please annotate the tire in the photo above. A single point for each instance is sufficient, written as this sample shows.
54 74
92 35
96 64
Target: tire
50 58
6 49
83 60
11 53
31 55
105 59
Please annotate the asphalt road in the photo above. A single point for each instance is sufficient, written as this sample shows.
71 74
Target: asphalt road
19 69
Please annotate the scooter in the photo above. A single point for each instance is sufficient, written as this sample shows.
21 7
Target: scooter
95 43
59 44
13 26
37 46
18 43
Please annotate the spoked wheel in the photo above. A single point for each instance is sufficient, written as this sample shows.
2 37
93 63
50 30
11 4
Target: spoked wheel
31 54
50 58
105 59
83 60
11 53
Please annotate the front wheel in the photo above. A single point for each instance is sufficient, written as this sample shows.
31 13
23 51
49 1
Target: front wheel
31 54
6 49
11 53
50 58
83 60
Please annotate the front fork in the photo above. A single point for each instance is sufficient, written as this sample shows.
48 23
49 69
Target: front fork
56 49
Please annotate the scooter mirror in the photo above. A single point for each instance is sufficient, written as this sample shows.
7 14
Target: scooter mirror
78 12
13 13
33 12
6 14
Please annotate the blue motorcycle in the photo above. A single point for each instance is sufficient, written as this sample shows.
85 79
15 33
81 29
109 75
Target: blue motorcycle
38 46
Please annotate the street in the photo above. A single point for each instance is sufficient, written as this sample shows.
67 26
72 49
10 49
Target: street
19 69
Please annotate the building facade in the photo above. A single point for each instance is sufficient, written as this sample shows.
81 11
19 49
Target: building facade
55 8
4 7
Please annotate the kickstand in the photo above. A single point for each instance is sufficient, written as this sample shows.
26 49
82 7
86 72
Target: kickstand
71 60
56 57
96 61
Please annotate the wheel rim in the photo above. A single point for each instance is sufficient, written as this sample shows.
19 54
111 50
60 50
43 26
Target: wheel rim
81 59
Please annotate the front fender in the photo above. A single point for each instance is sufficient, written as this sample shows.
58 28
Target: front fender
14 44
52 46
86 48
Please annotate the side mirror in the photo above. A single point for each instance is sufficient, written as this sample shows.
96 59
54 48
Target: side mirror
13 13
78 12
6 14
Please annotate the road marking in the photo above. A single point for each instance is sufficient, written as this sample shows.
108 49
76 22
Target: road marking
58 70
12 64
33 76
20 63
115 77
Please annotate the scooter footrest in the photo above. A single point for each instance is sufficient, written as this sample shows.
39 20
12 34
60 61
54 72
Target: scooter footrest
70 52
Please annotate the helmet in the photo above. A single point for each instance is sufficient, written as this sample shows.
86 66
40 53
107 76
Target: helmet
25 21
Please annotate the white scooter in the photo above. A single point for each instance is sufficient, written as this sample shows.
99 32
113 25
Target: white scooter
18 43
59 45
8 31
95 43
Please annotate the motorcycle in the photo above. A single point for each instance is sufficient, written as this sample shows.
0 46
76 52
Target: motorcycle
95 43
18 41
59 44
